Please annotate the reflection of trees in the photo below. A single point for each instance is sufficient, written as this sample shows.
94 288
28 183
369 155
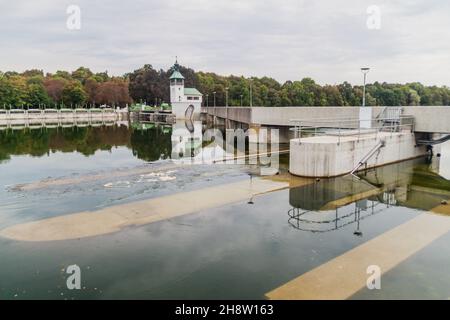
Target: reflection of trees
151 144
85 140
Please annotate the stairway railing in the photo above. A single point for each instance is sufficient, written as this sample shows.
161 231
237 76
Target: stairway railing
369 155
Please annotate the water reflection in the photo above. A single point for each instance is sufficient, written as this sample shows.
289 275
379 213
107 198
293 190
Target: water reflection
443 159
151 142
39 142
331 204
147 142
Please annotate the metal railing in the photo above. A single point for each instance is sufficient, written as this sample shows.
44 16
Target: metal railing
391 113
317 222
14 114
344 127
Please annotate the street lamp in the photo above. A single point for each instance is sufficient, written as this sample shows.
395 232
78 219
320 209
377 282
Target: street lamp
207 100
365 71
250 201
214 93
251 94
241 99
226 96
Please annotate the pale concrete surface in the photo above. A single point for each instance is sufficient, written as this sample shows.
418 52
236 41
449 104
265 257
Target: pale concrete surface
107 220
345 275
427 118
443 209
30 118
328 156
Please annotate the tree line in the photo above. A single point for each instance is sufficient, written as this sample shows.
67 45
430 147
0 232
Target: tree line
79 88
148 85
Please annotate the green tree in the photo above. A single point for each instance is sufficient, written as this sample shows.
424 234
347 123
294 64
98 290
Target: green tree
37 95
82 74
73 94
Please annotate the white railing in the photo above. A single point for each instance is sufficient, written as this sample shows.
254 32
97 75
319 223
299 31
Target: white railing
349 127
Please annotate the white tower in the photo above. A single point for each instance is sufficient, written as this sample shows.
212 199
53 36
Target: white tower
186 102
176 85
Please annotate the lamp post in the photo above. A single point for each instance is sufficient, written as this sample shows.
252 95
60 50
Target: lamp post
365 71
226 96
207 100
214 99
241 99
251 94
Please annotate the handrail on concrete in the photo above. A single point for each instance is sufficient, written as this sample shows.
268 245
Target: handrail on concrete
331 120
394 125
369 155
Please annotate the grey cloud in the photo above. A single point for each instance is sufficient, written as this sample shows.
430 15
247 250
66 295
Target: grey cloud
290 39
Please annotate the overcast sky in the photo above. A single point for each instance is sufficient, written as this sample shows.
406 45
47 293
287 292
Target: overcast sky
286 39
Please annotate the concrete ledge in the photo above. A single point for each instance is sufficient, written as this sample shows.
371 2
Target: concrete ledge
329 156
427 118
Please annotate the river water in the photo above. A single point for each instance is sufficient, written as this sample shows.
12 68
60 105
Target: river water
239 250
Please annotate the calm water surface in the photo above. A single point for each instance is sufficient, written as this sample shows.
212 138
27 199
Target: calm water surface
238 250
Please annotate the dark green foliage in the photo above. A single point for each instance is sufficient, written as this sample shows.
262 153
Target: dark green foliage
83 87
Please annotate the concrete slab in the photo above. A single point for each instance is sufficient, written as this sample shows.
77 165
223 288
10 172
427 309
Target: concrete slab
331 156
344 275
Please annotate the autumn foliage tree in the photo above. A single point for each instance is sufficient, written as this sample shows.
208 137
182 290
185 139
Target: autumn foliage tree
113 92
82 87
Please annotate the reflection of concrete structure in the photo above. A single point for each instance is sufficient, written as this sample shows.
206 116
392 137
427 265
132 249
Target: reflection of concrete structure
186 102
316 196
330 204
444 160
186 139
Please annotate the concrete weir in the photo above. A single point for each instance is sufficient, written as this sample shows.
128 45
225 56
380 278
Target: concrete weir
330 156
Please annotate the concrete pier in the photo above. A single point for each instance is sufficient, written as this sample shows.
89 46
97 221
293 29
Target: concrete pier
330 156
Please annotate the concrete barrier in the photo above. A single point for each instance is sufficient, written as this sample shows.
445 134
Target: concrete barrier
427 118
324 156
52 115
